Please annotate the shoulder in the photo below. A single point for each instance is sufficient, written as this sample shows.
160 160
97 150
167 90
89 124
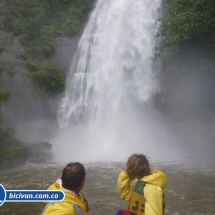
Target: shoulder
59 208
153 192
156 177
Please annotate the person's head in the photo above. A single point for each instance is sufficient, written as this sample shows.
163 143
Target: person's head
73 177
138 166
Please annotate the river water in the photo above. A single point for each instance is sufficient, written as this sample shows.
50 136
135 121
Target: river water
190 189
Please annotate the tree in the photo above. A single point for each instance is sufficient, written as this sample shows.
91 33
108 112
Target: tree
38 22
188 29
187 20
3 97
49 79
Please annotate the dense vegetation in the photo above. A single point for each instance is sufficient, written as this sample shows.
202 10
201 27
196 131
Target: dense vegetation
188 38
37 22
48 78
1 49
10 147
14 152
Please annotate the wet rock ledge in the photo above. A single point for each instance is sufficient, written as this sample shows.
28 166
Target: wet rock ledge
15 155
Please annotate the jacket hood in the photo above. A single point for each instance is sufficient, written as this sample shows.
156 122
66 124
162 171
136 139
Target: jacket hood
70 196
157 178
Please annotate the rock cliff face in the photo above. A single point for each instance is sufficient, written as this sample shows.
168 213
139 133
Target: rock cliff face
28 111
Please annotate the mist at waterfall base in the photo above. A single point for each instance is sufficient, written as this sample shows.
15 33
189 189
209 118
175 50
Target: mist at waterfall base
108 110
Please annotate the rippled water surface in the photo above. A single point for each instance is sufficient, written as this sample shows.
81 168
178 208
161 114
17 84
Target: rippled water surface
190 189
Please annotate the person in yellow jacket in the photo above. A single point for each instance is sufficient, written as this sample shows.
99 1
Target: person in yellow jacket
145 194
71 183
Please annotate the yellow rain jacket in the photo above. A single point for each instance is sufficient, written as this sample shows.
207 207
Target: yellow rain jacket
153 191
71 205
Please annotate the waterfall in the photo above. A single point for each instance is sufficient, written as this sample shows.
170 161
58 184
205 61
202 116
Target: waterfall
112 83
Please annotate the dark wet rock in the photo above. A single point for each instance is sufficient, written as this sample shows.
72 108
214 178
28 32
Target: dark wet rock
14 156
40 147
40 152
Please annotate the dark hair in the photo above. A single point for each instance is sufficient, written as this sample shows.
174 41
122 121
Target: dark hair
138 166
72 175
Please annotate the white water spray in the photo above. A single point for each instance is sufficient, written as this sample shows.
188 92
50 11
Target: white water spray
112 83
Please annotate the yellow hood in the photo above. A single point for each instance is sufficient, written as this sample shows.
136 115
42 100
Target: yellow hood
65 205
157 178
69 196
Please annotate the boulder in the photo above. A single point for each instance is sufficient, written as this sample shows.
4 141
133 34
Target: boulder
40 152
14 156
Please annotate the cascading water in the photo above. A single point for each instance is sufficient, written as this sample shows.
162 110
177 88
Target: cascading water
112 82
111 68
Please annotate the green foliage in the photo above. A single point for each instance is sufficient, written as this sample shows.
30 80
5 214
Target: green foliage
10 147
10 151
1 49
32 66
188 29
37 22
72 17
49 79
187 20
5 133
4 96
